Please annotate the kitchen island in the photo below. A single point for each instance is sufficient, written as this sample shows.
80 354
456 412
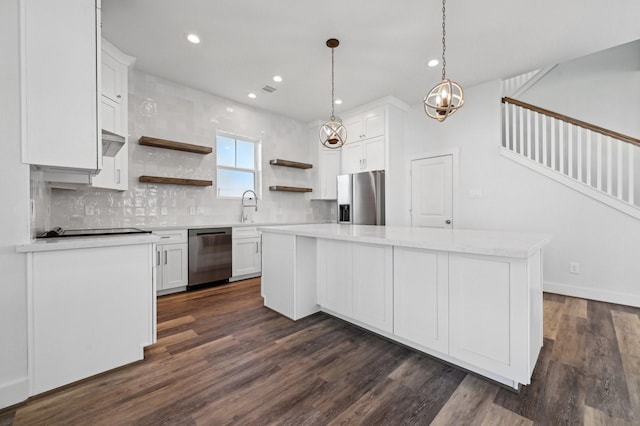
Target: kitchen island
471 298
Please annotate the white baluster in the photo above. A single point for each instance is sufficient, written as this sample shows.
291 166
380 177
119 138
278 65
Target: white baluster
599 162
570 148
513 127
529 154
561 147
579 129
609 167
553 143
521 125
544 141
536 136
507 139
589 149
630 186
619 184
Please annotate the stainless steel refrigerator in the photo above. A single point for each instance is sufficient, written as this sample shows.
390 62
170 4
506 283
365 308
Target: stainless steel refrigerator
361 198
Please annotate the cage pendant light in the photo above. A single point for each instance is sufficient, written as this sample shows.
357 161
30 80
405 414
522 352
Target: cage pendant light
333 134
446 97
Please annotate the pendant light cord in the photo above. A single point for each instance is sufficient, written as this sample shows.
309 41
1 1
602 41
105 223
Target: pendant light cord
444 46
333 118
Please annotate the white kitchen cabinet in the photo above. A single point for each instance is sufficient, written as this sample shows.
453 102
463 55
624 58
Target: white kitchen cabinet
356 281
373 285
289 278
326 166
487 298
115 116
172 261
246 253
364 156
421 297
335 291
365 125
60 41
90 310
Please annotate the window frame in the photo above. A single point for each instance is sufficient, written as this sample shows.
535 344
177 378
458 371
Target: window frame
257 163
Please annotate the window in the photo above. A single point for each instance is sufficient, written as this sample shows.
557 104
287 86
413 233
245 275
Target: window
238 160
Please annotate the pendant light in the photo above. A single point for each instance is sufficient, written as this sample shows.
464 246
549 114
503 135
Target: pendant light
447 96
333 134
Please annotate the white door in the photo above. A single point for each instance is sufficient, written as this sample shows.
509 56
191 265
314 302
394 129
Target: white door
432 192
175 265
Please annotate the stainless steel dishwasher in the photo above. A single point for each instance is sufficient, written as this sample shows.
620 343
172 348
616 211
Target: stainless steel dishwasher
209 255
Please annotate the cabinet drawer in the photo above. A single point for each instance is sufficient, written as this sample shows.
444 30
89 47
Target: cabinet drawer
245 232
172 236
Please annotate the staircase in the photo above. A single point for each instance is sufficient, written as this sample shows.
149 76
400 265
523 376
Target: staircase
600 163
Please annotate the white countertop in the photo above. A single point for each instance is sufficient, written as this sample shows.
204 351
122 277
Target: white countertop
225 225
70 243
493 243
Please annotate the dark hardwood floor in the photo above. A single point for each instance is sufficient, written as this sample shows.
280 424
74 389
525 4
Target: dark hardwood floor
222 358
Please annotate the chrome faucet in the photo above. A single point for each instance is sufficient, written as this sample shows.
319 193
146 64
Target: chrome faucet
243 214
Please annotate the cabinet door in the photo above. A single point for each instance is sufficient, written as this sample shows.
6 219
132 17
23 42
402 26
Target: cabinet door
111 78
59 49
374 154
355 132
352 159
175 265
329 171
106 177
336 277
421 301
487 296
111 114
373 285
373 123
121 172
246 256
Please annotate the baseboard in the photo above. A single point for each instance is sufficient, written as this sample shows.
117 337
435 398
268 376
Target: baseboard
14 392
593 294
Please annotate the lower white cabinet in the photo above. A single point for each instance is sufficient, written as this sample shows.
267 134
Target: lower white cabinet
421 297
91 310
172 261
289 284
246 253
356 281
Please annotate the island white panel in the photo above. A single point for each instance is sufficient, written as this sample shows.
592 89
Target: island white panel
421 297
278 282
373 285
336 272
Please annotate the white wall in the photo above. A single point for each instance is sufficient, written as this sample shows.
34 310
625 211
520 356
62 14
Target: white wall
604 241
602 88
14 215
188 115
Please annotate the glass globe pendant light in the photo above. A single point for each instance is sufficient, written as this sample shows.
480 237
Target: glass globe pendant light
446 97
333 134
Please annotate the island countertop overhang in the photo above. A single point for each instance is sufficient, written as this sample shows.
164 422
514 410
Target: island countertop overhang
493 243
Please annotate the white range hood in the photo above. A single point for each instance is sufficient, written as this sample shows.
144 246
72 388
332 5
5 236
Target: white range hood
111 143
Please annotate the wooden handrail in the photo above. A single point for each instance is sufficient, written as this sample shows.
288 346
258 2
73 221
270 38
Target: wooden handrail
573 121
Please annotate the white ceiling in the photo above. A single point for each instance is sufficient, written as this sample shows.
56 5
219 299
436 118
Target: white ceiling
384 45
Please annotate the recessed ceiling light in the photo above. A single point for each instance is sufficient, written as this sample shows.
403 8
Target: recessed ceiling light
252 95
432 63
277 78
338 101
193 38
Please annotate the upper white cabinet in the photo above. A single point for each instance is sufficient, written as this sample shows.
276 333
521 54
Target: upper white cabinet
60 41
365 125
115 117
326 166
364 156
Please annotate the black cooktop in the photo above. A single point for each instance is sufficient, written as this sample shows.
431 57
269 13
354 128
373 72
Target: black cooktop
59 232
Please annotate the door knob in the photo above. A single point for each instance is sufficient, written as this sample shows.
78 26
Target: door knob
448 222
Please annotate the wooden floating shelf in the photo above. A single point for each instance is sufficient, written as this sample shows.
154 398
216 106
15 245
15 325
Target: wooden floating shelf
289 188
179 146
175 181
287 163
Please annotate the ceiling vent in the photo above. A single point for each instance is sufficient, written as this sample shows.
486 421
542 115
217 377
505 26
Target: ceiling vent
269 89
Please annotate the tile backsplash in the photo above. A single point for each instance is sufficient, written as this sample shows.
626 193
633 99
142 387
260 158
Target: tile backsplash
167 110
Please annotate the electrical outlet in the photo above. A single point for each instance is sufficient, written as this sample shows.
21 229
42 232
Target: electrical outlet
88 210
193 211
574 267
